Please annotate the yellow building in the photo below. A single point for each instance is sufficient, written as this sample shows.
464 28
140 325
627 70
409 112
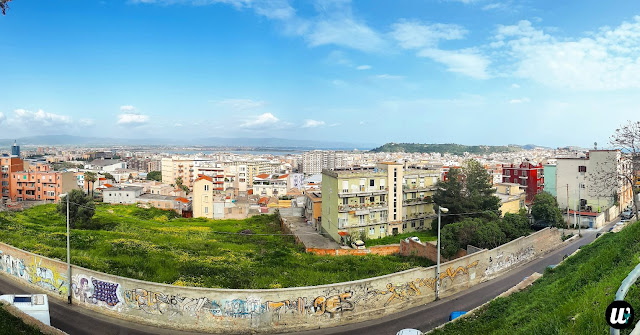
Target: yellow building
376 202
512 197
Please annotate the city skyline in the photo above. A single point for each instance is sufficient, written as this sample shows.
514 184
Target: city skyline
469 72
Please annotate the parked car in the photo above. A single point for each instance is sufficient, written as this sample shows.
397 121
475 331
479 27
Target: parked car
409 331
358 244
456 314
626 214
413 238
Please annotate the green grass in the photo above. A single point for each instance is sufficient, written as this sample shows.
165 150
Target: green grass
145 244
570 299
424 235
10 324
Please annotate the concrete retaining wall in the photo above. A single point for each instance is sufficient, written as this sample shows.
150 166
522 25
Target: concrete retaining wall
248 311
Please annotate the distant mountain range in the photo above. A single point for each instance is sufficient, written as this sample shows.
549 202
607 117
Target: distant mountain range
451 148
50 140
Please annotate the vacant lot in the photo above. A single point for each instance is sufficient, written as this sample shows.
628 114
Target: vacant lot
570 299
424 235
145 244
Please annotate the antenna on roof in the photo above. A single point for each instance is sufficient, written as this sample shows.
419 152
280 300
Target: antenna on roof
595 145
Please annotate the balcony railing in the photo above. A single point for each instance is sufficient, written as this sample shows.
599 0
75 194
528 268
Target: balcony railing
365 206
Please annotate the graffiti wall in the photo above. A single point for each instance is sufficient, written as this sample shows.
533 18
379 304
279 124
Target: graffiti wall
273 310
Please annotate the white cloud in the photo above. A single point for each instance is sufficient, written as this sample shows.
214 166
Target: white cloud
178 125
312 123
131 117
346 32
31 119
262 120
416 35
605 60
519 101
467 61
339 83
240 104
515 85
363 67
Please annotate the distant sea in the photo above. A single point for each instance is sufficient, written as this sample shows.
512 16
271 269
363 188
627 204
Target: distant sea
239 152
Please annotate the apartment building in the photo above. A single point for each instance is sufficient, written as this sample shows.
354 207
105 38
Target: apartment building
269 185
154 165
512 197
105 165
39 185
376 202
527 175
8 165
597 177
121 195
207 196
317 160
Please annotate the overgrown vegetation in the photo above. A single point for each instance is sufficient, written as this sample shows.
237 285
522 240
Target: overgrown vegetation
154 175
10 324
569 299
81 209
482 233
151 244
545 211
424 235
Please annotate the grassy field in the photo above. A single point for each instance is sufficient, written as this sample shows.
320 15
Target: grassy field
424 235
9 324
145 244
570 299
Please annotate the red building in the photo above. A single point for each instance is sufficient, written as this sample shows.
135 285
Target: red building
529 176
8 165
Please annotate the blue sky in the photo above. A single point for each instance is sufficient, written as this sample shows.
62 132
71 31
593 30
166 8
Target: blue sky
466 71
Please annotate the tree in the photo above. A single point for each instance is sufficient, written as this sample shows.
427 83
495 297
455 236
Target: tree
627 139
4 6
90 177
109 176
154 175
180 185
515 225
466 190
81 208
545 209
489 235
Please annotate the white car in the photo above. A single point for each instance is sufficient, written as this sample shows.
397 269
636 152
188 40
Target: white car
413 238
358 244
409 331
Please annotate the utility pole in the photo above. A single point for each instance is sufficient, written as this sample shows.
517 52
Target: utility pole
567 206
68 256
579 207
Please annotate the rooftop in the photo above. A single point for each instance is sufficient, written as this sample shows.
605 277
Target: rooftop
158 197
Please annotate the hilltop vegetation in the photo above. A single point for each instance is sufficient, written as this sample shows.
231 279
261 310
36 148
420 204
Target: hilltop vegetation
570 299
149 244
451 148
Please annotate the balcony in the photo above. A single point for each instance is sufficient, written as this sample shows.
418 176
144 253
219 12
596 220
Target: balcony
417 201
370 206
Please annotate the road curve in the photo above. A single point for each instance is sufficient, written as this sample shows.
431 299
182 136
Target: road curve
76 320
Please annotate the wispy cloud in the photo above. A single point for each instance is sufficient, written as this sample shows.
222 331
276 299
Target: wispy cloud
363 67
388 77
412 34
129 116
519 101
262 120
312 123
469 62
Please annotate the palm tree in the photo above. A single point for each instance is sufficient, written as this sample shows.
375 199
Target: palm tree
90 177
4 6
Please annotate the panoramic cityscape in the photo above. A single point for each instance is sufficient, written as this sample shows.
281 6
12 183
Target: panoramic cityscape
324 167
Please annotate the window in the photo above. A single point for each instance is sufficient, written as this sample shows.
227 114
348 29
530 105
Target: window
413 224
421 222
372 216
372 199
345 201
382 198
371 182
404 226
582 168
361 200
372 230
206 187
206 210
382 230
361 219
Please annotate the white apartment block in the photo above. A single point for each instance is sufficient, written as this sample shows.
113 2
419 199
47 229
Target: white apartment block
316 160
597 174
182 167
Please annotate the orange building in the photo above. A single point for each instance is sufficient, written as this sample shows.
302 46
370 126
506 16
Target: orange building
8 165
43 186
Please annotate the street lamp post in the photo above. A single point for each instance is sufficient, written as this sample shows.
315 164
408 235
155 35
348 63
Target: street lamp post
68 256
440 211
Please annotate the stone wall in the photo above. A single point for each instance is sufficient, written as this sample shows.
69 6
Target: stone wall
269 310
427 250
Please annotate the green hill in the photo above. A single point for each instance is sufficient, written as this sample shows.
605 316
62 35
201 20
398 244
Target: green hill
451 148
570 299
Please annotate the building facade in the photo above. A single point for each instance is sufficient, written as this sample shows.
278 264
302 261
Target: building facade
376 202
8 165
317 160
527 175
41 186
121 195
550 179
594 182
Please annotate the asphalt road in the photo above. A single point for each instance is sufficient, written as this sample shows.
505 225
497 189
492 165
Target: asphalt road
75 320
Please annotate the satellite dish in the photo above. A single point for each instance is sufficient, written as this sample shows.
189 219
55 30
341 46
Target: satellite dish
595 145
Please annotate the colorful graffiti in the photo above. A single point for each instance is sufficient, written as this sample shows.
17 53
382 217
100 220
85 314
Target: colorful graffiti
499 262
322 305
47 278
412 288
